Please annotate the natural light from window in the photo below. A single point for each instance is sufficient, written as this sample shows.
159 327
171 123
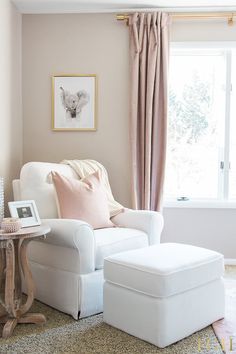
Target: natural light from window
201 149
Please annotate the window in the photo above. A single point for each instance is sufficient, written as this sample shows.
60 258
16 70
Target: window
201 148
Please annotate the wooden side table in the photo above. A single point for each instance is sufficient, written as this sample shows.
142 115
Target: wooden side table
13 263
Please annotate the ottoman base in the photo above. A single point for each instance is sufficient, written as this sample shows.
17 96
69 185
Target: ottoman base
163 321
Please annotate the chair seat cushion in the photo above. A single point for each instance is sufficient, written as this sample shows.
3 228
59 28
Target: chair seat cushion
114 240
165 269
108 241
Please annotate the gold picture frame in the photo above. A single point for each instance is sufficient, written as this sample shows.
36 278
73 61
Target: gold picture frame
74 102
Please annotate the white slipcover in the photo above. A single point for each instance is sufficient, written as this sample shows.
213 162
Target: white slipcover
165 292
68 265
164 270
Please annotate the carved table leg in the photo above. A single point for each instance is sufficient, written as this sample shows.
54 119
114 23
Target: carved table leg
9 327
2 280
18 291
16 260
2 266
9 290
29 317
32 318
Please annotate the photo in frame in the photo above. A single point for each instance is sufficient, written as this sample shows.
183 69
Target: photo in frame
74 102
27 211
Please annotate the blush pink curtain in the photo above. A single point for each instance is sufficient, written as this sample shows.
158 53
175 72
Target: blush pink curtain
149 53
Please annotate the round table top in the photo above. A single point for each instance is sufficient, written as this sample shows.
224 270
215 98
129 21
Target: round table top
25 232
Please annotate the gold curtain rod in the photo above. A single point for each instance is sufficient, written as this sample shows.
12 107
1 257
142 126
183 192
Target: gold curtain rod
192 15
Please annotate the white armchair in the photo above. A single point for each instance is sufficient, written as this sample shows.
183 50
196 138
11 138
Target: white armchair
68 265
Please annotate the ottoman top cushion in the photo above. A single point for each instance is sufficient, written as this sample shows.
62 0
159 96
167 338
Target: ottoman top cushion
165 269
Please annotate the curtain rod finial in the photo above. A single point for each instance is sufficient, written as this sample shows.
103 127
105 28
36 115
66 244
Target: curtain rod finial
231 20
122 17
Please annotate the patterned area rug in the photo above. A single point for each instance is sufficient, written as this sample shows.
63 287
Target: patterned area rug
62 334
225 329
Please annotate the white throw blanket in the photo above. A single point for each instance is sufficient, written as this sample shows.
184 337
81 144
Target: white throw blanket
83 168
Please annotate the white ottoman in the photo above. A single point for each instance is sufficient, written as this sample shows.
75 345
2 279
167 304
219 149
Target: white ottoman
165 292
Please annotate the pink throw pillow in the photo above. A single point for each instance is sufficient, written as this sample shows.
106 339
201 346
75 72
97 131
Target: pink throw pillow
83 199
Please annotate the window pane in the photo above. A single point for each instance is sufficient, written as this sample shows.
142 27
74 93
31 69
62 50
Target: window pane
196 124
232 157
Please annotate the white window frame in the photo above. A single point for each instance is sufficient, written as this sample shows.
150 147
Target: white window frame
223 178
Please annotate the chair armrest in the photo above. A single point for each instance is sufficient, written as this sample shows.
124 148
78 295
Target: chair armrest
150 222
74 234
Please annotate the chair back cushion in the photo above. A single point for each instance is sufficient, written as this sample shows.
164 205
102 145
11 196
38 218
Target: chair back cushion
35 184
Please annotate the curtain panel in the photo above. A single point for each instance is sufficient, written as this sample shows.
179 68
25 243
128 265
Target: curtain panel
149 54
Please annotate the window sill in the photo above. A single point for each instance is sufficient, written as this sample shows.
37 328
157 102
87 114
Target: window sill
200 204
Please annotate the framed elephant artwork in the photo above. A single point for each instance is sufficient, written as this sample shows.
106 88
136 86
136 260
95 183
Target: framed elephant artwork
74 105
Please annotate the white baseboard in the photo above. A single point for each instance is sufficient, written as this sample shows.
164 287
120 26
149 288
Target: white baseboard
230 261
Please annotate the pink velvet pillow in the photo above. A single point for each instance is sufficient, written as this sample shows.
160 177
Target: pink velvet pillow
83 199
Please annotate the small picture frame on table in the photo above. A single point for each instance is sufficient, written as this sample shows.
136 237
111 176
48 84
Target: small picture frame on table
26 211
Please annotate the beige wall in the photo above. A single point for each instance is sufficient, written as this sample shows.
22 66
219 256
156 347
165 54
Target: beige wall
78 44
213 30
10 94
